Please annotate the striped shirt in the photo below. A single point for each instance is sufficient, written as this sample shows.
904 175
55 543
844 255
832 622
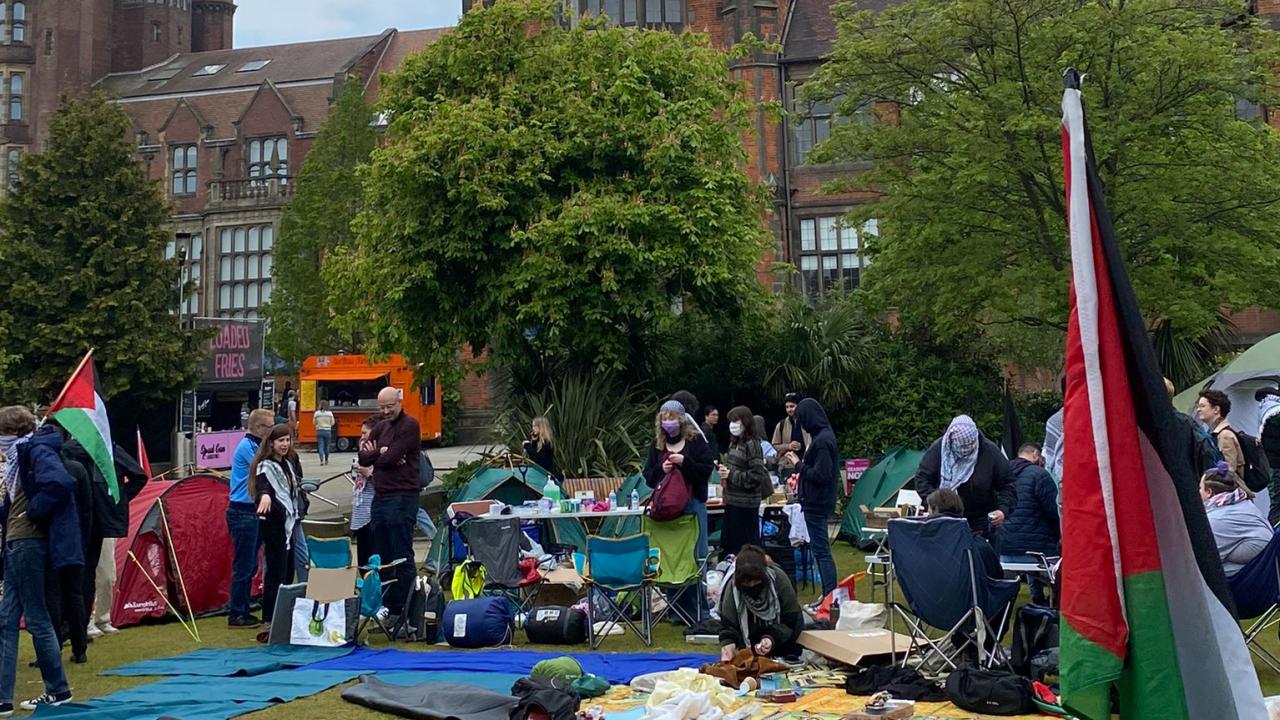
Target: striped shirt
361 500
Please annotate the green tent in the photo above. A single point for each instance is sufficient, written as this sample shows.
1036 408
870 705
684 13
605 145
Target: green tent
1257 367
878 485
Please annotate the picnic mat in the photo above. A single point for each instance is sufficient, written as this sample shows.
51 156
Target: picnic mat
617 668
230 662
188 697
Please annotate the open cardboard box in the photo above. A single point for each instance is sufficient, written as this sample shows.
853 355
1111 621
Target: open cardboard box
851 647
331 584
880 517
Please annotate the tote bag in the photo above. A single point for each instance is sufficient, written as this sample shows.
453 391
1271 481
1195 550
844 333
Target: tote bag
320 624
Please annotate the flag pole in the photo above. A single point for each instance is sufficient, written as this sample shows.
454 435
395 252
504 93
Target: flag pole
67 385
168 604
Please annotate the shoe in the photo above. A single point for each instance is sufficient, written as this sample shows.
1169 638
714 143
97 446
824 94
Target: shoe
94 632
108 628
383 614
47 699
6 709
80 659
244 622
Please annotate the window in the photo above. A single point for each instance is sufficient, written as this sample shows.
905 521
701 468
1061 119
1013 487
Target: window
183 173
19 22
206 70
16 83
831 253
268 157
193 249
814 126
156 33
244 270
13 158
253 65
648 13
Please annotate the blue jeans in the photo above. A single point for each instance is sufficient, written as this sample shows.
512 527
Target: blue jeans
392 518
242 521
24 569
820 547
424 524
323 439
301 553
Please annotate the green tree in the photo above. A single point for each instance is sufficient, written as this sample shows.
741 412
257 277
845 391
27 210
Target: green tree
549 193
82 266
328 198
823 350
972 229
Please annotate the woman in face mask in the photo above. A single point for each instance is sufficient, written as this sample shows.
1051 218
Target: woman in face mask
677 443
759 609
746 483
965 461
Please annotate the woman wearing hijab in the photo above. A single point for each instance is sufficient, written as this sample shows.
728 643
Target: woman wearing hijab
758 608
746 483
677 443
815 481
965 461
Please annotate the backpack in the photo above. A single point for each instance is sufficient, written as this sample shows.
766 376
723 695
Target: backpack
544 697
670 498
556 625
990 692
426 471
1035 629
426 610
1257 470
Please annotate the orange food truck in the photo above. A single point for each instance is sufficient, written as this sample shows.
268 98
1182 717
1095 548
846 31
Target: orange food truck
350 384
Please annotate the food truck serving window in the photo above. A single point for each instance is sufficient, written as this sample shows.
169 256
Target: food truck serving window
351 394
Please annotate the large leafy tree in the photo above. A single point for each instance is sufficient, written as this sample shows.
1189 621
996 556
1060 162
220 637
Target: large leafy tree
548 192
328 199
82 266
968 154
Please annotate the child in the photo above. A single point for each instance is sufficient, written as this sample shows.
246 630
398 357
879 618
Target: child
362 500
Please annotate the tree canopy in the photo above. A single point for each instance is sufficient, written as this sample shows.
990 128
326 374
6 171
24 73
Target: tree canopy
82 265
967 152
550 193
317 220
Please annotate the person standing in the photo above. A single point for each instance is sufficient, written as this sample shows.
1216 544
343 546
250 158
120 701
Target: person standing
965 461
242 521
816 479
393 450
711 418
1268 399
1033 526
38 507
362 500
746 483
292 408
1213 408
64 583
540 448
784 433
325 423
273 483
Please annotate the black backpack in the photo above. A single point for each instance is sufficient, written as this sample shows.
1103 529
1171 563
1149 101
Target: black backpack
426 471
1257 470
556 625
990 692
554 698
1035 629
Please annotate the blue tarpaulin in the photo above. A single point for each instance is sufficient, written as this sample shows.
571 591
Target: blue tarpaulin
617 668
229 662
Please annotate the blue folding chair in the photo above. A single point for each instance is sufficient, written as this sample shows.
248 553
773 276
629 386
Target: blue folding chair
616 570
946 586
1255 588
329 553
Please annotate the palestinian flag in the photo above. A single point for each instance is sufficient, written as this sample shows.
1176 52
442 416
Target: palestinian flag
81 410
143 460
1145 606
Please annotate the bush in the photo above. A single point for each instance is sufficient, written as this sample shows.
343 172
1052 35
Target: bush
1033 411
601 427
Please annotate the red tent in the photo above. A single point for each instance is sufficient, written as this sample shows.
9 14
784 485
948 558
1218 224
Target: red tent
196 511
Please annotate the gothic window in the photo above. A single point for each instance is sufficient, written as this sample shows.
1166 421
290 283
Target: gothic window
183 174
16 89
19 22
268 157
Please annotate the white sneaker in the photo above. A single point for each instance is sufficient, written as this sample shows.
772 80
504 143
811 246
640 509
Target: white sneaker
46 699
108 628
93 631
383 613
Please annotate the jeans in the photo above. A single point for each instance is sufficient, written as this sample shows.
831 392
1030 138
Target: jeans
24 571
278 562
423 523
820 547
393 518
323 439
301 553
242 521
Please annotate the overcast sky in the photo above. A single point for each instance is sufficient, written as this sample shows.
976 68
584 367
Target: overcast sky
272 22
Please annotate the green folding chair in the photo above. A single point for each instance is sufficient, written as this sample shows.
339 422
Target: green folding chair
680 573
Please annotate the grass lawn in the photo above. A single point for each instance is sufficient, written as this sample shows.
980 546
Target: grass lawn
167 639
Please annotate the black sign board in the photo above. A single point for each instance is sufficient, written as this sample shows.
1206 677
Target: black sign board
267 397
234 352
187 412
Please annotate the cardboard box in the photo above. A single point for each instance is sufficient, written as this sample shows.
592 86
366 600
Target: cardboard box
474 507
879 517
331 584
853 646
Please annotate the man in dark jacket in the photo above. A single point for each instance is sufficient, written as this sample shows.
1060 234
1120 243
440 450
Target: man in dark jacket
816 483
965 461
1034 526
393 450
41 528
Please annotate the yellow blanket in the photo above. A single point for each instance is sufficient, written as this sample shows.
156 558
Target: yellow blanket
819 704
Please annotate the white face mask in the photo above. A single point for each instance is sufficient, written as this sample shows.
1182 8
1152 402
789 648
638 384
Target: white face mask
735 429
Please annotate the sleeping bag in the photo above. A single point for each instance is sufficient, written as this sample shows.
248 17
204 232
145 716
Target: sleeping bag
478 622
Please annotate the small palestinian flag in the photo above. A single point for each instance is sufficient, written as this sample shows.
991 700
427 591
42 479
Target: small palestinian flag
1145 605
143 460
81 410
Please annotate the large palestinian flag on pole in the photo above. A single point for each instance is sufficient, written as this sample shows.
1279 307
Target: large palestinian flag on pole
81 410
1145 606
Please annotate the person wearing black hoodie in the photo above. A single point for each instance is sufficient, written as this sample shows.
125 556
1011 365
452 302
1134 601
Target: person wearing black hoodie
816 481
967 462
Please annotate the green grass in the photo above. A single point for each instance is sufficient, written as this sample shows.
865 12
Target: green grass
168 639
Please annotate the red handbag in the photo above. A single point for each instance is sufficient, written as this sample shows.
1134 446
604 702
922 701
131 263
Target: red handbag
671 496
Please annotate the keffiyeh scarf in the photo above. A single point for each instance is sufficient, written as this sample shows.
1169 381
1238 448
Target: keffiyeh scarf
9 445
959 452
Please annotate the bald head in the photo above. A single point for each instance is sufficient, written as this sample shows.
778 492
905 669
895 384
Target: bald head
389 402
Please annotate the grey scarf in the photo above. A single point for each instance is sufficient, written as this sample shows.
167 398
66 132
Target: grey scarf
763 606
284 486
9 449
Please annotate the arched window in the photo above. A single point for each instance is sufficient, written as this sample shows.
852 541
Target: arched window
19 22
14 157
16 88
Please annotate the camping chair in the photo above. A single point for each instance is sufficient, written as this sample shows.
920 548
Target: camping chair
335 553
679 572
495 544
616 570
945 586
1256 591
329 552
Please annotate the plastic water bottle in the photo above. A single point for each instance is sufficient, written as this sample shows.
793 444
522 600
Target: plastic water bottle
635 500
613 500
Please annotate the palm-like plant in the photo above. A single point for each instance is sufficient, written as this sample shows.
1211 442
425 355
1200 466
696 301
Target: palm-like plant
825 350
1186 359
600 426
